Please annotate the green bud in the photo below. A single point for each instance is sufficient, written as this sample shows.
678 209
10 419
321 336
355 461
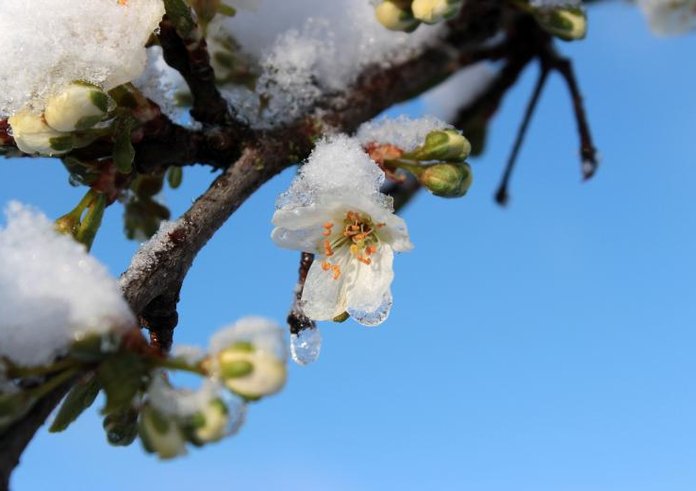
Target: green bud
434 11
32 135
567 23
160 434
250 373
209 424
342 317
448 180
79 106
394 17
446 144
175 175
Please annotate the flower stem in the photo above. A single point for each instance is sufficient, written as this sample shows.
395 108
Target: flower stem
179 364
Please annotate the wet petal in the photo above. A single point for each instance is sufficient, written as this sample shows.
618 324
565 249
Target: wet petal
306 240
300 217
324 297
371 281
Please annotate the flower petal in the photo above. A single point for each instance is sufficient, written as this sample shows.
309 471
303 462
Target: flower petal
305 240
371 281
300 217
396 233
324 297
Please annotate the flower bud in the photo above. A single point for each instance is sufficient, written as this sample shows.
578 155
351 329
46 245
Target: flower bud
448 180
78 107
160 434
250 373
210 424
446 144
567 23
395 18
434 11
32 135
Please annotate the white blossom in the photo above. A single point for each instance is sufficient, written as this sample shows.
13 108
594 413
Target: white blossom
335 210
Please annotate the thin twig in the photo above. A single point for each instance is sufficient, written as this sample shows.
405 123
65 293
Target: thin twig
588 152
297 320
501 196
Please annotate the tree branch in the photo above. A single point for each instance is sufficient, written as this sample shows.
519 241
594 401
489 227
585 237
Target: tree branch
152 283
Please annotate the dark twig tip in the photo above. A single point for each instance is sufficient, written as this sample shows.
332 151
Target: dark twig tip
501 196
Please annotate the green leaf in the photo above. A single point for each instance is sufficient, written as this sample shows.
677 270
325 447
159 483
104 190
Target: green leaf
123 152
13 406
122 375
80 397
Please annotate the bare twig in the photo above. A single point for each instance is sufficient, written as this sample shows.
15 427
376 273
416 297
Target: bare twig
501 196
588 152
297 320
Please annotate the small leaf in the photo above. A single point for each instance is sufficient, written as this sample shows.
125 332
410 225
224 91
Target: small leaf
122 375
174 177
123 152
80 397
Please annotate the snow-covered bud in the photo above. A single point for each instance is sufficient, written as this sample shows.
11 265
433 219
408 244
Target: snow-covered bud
249 357
434 11
448 180
249 372
395 18
79 106
210 424
446 144
567 23
160 434
32 135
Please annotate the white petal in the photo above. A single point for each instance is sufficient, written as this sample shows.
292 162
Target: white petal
300 217
323 297
306 240
372 281
396 233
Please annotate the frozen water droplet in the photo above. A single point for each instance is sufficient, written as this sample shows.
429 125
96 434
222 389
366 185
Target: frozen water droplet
305 346
75 181
375 317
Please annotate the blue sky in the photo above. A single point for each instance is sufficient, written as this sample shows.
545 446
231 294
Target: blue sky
548 346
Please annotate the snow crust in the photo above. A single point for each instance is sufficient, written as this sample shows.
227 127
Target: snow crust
52 292
49 43
337 165
402 131
308 47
